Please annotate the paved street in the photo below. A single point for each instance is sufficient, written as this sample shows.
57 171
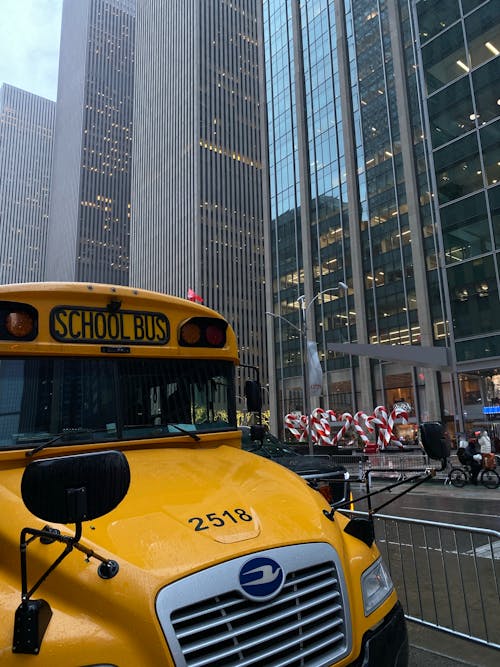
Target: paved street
436 502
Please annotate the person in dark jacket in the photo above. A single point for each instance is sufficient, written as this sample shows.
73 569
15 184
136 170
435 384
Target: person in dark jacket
468 455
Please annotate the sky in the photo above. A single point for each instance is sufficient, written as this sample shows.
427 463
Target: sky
29 45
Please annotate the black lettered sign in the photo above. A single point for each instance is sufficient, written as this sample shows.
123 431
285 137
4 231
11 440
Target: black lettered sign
76 324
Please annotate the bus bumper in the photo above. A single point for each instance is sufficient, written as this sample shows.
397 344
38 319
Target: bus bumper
387 645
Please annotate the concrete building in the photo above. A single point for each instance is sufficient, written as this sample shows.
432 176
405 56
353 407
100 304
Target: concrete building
26 147
383 174
90 199
196 185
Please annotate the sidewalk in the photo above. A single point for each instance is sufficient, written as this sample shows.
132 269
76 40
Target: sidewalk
434 648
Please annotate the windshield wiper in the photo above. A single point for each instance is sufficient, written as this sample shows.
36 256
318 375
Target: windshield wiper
60 436
191 434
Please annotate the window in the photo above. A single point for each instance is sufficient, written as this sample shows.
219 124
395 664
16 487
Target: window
444 59
465 228
458 169
95 400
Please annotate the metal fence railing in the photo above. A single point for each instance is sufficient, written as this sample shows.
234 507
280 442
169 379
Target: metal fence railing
398 465
446 576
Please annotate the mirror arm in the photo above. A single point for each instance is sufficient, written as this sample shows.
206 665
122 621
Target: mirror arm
417 479
25 594
107 569
33 616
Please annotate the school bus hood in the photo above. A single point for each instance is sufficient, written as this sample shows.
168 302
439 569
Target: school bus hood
187 507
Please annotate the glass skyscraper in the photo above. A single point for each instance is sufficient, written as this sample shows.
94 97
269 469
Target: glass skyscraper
382 175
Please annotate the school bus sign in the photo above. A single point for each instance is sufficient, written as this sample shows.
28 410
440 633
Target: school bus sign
76 324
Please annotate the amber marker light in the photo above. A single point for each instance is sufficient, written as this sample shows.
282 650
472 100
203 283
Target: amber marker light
190 333
19 324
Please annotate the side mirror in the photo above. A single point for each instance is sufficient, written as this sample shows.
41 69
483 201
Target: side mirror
71 489
433 440
68 489
253 395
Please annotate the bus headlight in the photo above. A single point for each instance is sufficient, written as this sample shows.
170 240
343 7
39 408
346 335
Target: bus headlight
376 585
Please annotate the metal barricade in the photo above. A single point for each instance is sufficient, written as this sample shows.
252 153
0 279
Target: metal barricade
446 576
398 465
355 464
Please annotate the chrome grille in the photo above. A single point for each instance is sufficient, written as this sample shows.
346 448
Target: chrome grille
306 624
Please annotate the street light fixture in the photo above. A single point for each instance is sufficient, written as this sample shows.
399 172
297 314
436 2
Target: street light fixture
302 330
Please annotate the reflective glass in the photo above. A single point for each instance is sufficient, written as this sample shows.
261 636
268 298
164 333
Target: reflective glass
444 58
490 144
486 85
478 349
474 297
466 231
493 195
451 112
433 17
483 33
468 5
458 169
94 400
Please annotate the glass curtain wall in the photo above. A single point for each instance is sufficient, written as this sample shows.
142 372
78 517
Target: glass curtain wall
459 42
288 273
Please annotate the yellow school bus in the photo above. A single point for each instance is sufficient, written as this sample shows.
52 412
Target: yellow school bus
134 530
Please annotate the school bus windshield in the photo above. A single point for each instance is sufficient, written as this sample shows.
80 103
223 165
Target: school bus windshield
78 400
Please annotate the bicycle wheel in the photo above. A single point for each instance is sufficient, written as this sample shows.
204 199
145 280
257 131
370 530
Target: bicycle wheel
489 479
458 477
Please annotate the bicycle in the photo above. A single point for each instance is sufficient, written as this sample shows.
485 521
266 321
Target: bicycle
459 476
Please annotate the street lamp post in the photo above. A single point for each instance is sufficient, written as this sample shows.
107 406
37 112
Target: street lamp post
303 330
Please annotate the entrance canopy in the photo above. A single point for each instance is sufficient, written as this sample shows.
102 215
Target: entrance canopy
427 356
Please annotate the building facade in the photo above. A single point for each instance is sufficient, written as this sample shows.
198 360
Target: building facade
458 47
365 151
90 201
197 178
26 148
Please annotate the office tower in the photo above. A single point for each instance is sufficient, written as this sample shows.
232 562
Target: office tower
383 168
90 199
26 146
196 184
460 66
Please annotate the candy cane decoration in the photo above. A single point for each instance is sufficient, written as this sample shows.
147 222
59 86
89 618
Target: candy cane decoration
380 418
320 426
359 429
397 412
347 419
296 426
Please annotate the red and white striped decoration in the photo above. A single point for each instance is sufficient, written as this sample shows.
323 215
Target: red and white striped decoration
346 417
358 417
321 421
320 426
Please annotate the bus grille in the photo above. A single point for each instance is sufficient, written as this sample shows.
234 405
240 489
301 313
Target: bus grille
304 625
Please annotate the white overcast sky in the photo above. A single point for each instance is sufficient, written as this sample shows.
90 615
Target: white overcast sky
29 45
